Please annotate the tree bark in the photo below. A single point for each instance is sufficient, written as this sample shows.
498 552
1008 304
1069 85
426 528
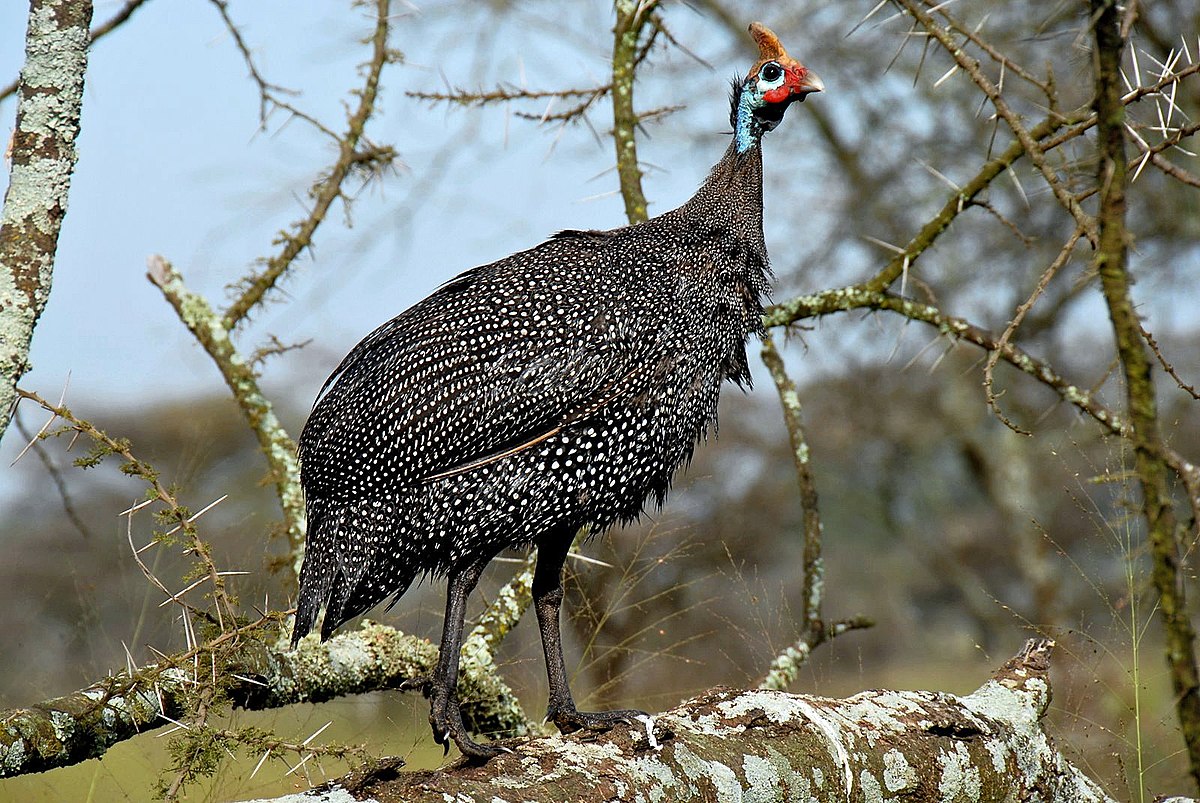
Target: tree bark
729 744
43 157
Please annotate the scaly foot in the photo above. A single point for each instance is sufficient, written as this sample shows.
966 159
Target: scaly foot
570 720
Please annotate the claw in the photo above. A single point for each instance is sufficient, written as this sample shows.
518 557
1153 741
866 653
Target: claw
445 719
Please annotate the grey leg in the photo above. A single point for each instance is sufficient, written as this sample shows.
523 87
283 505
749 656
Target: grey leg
444 715
547 602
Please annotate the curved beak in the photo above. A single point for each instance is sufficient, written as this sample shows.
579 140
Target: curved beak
803 83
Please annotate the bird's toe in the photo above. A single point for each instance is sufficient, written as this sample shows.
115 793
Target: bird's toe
570 721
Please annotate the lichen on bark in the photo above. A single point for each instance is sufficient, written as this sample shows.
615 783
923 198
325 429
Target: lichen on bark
43 158
764 745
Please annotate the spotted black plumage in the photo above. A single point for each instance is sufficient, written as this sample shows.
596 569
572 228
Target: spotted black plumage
559 387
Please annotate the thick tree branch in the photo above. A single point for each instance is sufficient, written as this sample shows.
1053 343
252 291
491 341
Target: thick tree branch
769 745
43 158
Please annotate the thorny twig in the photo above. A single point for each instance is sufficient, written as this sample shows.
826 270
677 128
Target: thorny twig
1153 154
1006 63
989 368
1029 142
350 158
172 513
214 330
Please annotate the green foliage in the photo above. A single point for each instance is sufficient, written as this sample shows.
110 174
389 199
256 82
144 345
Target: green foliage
195 753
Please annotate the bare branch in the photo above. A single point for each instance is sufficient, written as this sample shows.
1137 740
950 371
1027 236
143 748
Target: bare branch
329 189
56 477
1063 257
1168 367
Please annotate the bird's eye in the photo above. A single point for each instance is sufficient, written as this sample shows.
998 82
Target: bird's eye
770 72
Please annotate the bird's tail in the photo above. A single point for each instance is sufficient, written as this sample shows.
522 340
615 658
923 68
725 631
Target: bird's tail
344 568
317 573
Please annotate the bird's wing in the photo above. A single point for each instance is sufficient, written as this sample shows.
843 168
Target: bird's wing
492 363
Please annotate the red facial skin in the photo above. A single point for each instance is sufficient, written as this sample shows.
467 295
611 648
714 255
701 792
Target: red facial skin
794 84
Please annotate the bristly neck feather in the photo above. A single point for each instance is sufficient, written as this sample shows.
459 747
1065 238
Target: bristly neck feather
747 129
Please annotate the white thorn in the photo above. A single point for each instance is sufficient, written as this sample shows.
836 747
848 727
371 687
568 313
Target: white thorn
319 731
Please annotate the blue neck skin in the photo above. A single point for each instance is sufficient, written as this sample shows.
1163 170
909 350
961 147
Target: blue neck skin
748 131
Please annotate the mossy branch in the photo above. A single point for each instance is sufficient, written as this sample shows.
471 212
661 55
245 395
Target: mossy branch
256 672
632 16
728 744
100 31
276 445
478 653
814 630
1153 470
43 156
844 299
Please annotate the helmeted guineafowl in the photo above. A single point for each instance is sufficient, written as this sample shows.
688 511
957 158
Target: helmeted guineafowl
559 387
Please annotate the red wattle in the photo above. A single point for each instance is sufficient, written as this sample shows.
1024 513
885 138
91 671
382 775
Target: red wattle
777 95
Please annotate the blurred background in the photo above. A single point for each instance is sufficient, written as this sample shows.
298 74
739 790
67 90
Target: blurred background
958 537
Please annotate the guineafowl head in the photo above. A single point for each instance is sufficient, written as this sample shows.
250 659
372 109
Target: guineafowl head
759 101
